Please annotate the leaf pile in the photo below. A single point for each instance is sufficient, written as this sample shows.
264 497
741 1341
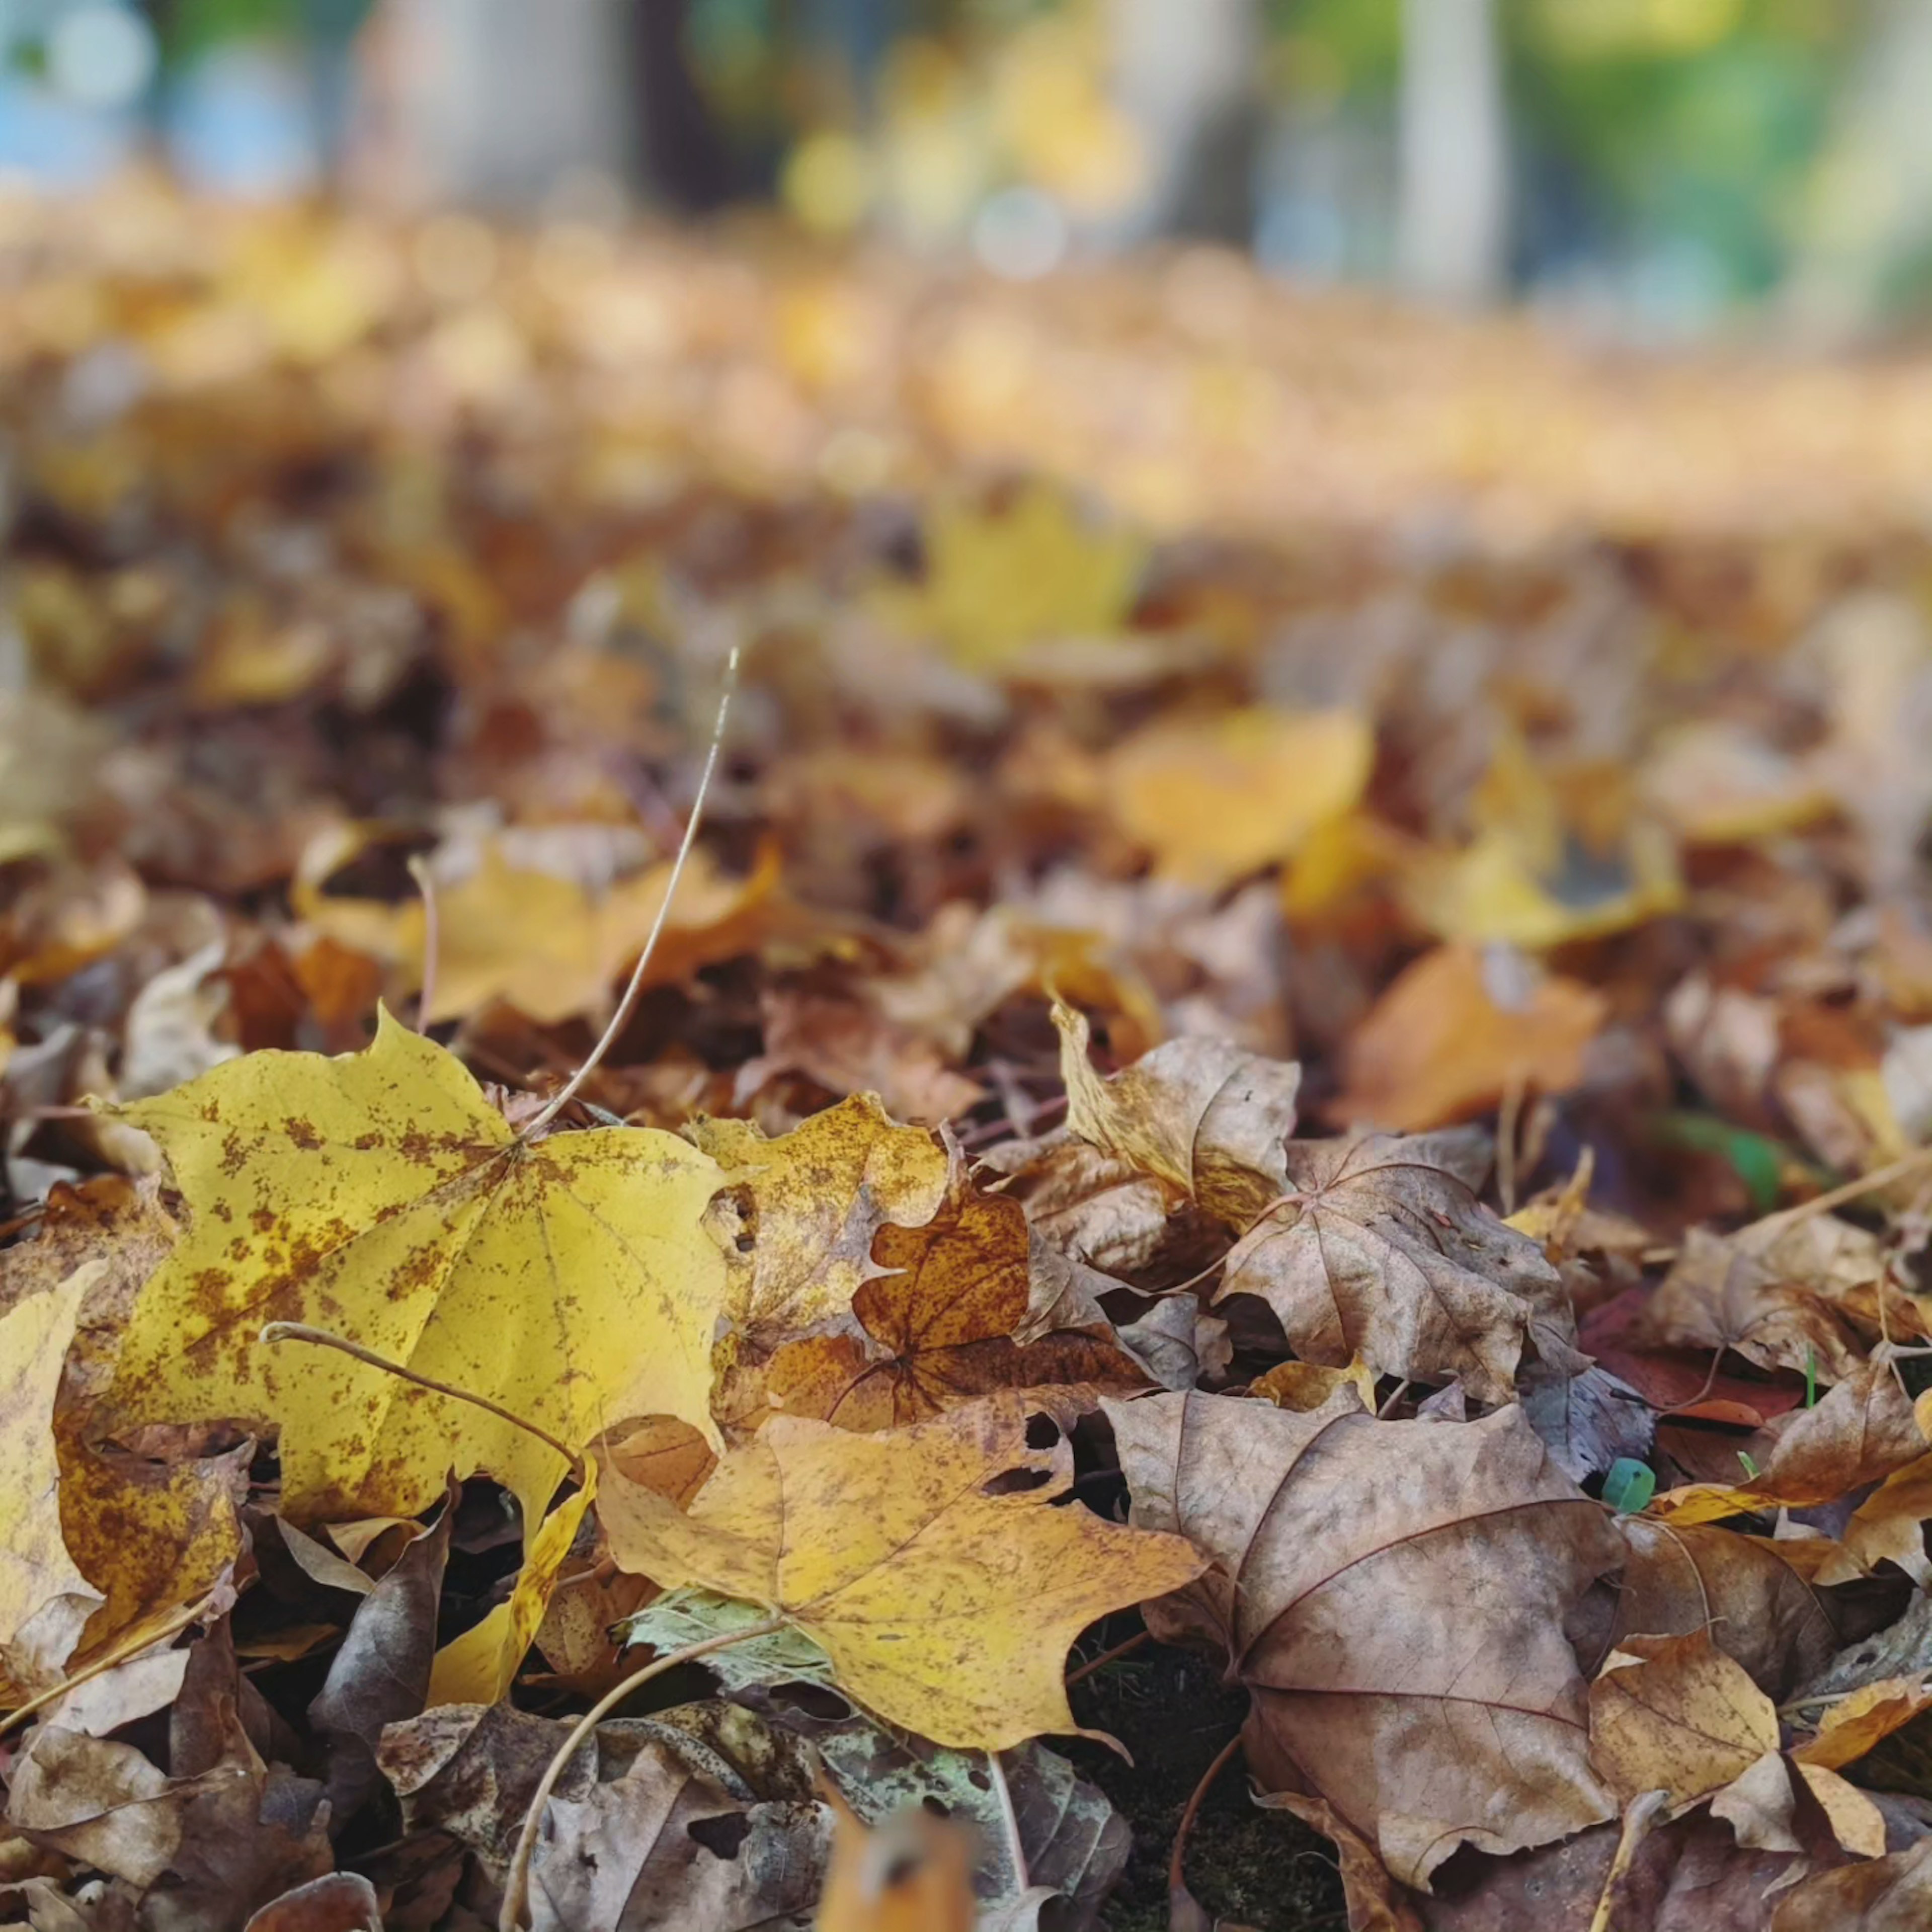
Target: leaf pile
1325 1085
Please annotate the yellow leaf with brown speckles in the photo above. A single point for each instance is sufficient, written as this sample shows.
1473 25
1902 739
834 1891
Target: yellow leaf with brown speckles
380 1196
945 1590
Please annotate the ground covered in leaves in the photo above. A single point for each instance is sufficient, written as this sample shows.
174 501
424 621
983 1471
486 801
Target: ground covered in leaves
1257 1253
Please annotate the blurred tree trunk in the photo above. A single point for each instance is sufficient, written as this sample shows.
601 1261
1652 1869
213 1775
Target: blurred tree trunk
1184 74
494 101
1452 221
1869 207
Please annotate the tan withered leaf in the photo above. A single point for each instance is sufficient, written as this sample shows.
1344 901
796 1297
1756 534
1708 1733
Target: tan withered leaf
1676 1714
1870 1715
946 1325
380 1195
1394 1596
799 1218
946 1600
1784 1294
1385 1253
1205 1117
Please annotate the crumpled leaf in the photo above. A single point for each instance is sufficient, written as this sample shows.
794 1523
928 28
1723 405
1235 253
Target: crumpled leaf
1392 1594
1204 1117
808 1205
379 1196
45 1601
1385 1253
954 1317
1214 799
947 1602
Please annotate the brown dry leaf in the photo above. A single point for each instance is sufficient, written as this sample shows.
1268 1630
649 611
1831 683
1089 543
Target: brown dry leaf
1204 1117
381 1195
1893 1893
1784 1295
1216 798
1757 1607
1392 1594
1450 1037
946 1600
1384 1253
952 1319
337 1902
1862 1432
1674 1714
808 1205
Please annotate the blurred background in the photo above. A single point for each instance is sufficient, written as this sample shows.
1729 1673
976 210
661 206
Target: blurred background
1656 168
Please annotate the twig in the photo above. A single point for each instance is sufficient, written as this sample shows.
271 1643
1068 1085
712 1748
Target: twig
138 1641
300 1331
1177 1859
1836 1197
1387 1408
1106 1656
1640 1815
1509 1122
432 939
628 1005
516 1884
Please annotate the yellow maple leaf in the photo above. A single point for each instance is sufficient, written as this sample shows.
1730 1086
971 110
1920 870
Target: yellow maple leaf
550 944
380 1196
479 1666
946 1600
45 1601
998 581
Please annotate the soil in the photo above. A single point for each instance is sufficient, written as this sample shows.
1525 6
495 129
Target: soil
1246 1866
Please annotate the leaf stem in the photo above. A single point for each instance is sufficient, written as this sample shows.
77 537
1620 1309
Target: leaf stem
300 1331
1836 1197
1120 1650
628 1005
1177 1859
138 1639
516 1883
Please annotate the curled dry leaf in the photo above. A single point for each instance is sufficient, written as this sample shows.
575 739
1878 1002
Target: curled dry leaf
946 1594
945 1324
1393 1595
45 1601
380 1196
806 1207
1852 1726
1204 1117
1383 1252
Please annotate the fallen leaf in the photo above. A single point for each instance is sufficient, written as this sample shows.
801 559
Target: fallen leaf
912 1872
45 1601
336 1902
1893 1893
1393 1596
947 1602
381 1197
1676 1714
1216 798
1204 1117
1850 1727
808 1205
1386 1255
1449 1039
948 1320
